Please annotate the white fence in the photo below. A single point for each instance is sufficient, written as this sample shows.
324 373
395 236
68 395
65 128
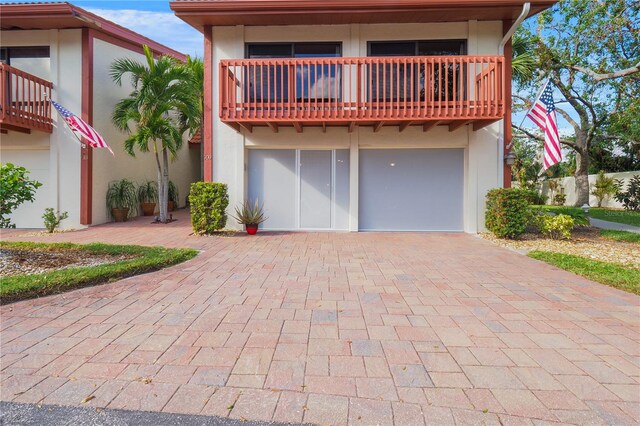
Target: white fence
569 185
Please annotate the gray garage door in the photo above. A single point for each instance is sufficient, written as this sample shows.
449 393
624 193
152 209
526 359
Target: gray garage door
411 189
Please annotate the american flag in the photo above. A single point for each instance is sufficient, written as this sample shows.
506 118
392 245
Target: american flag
543 113
81 128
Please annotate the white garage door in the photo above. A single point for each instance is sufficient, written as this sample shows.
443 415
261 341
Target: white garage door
29 215
411 189
301 189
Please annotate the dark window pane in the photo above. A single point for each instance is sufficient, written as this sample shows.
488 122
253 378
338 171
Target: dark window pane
441 47
316 50
278 50
385 48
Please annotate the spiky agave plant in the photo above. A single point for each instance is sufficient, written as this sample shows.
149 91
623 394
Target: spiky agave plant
250 213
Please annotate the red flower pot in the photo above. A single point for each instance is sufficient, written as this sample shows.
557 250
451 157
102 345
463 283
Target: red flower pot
251 229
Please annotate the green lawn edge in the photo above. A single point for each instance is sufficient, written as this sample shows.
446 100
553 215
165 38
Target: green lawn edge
618 216
21 287
610 274
625 236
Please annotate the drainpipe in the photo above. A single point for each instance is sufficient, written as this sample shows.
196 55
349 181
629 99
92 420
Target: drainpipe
525 12
526 7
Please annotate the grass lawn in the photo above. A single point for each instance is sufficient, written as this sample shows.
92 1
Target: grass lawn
613 275
629 237
618 216
146 259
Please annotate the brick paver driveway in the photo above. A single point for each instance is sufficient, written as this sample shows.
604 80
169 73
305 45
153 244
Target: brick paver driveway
333 328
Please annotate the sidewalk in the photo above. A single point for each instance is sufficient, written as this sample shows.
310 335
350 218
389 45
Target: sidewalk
605 224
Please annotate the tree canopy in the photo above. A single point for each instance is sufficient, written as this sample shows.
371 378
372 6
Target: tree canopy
590 51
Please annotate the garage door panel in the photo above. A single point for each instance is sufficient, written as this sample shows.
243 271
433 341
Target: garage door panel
411 189
272 181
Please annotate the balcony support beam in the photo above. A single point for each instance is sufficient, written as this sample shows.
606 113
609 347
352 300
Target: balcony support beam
324 127
378 126
6 127
298 126
273 126
352 126
429 125
404 125
456 125
247 126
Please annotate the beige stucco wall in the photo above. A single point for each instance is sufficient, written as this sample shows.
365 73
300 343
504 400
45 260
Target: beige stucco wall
55 157
184 170
482 157
569 188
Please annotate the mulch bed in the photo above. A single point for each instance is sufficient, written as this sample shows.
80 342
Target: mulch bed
37 261
585 241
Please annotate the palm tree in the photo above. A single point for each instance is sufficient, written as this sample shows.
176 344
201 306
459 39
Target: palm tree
150 114
193 119
523 61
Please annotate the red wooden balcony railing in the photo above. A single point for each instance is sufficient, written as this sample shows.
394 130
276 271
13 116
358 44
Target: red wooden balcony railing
377 91
24 101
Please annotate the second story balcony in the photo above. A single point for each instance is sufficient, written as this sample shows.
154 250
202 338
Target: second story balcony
24 101
366 91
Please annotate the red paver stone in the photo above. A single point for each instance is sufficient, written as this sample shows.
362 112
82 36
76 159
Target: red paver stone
396 322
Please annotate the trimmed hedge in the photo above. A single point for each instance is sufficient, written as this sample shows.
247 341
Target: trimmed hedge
208 201
508 212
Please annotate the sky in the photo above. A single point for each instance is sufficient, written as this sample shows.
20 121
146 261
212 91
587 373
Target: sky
151 18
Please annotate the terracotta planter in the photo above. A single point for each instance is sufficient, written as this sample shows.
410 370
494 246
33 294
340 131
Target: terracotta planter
120 215
148 209
251 229
171 206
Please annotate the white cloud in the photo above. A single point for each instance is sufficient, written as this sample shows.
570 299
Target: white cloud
163 27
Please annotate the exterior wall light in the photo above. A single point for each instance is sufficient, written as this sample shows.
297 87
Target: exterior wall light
510 158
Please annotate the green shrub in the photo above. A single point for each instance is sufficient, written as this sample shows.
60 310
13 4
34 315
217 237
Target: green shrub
508 212
52 219
630 197
534 197
208 201
556 227
15 188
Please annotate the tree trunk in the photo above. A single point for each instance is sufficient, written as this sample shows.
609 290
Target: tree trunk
159 167
582 179
163 191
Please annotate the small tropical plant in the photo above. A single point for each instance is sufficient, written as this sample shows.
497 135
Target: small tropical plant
121 194
604 187
15 189
250 213
630 197
52 219
559 199
148 192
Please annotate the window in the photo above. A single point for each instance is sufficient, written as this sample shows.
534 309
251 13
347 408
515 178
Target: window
399 82
30 52
271 83
31 59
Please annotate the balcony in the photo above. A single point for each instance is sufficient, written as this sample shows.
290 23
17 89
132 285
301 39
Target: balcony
367 91
24 101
